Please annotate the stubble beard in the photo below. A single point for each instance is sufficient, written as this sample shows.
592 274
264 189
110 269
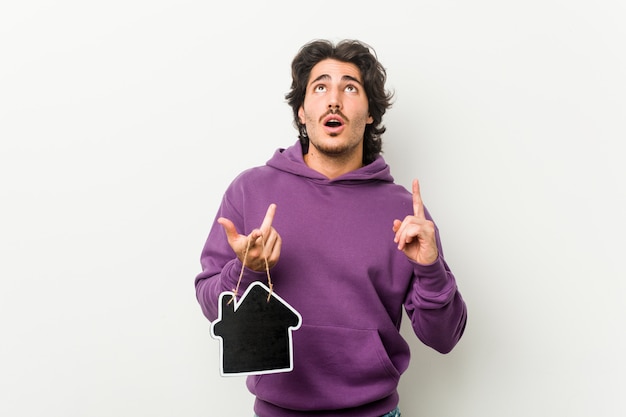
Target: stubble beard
338 150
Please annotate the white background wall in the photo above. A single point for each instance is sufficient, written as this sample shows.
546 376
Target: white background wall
122 122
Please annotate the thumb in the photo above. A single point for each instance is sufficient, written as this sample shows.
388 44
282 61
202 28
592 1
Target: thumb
229 228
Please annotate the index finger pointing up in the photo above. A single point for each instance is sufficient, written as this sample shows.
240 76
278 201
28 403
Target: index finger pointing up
418 206
269 218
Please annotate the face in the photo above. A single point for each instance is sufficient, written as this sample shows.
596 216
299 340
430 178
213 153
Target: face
335 109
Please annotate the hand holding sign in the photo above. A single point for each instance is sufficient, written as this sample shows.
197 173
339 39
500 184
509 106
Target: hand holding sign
415 235
262 244
256 330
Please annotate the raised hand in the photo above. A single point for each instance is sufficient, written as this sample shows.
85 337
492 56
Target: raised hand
262 244
415 235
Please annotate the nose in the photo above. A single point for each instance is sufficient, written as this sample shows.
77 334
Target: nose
333 107
333 101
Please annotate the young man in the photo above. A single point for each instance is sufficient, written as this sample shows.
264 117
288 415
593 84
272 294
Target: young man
347 248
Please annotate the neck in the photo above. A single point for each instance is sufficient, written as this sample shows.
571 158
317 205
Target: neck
332 166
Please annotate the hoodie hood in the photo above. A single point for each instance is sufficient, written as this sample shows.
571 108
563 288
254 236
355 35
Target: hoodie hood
291 160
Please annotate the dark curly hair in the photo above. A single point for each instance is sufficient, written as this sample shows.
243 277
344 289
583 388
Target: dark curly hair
374 78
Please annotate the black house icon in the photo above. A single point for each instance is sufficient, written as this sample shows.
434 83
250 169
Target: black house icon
255 332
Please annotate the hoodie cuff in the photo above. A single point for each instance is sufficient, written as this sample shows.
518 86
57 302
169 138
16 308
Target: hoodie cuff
434 279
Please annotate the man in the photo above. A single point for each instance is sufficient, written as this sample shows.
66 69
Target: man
346 247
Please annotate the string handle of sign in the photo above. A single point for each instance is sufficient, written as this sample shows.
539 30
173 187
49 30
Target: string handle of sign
243 265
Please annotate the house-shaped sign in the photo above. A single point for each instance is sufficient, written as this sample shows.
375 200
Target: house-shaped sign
255 332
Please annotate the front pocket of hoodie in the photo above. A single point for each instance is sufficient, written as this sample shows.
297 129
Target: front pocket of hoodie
334 367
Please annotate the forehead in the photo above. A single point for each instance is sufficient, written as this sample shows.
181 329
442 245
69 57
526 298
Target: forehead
334 69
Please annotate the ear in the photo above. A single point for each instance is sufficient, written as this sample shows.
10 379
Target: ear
370 120
301 115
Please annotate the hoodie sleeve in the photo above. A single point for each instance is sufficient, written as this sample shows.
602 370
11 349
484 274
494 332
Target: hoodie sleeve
221 268
435 306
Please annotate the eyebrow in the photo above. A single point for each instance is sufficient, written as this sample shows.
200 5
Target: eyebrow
343 78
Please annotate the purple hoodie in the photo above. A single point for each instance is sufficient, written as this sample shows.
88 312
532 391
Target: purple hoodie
341 270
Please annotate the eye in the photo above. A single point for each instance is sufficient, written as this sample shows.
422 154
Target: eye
350 88
319 88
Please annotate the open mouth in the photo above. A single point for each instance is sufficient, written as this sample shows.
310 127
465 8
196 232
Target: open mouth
333 120
333 123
